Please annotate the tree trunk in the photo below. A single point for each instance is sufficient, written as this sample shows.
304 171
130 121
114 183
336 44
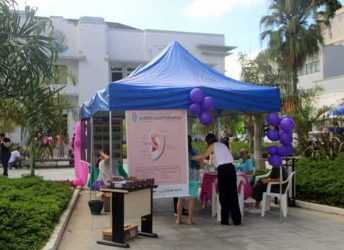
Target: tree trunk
257 144
32 161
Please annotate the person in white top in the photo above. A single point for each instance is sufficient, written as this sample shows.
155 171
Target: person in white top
104 165
15 158
226 178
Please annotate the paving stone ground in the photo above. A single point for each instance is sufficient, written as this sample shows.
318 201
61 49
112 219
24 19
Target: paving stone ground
303 229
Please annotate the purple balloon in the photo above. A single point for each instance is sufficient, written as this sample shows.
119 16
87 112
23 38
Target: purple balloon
272 150
273 135
195 109
208 103
287 124
276 161
273 119
282 151
285 138
205 118
290 149
196 95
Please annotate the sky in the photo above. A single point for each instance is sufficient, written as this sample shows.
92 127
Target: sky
238 20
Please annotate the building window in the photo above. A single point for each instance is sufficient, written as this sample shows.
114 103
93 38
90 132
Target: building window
310 68
129 70
116 73
60 72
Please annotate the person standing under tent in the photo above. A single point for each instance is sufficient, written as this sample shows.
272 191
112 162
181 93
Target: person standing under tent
193 187
104 165
227 178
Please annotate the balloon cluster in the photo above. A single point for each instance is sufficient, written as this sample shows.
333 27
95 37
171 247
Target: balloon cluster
201 106
285 124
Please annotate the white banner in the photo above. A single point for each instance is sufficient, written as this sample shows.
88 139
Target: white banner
157 148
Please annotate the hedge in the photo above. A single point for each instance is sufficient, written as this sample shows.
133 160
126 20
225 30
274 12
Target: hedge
321 180
30 207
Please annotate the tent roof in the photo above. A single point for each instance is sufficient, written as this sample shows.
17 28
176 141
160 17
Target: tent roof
166 81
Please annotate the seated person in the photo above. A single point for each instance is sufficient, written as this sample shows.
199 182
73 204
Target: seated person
245 164
15 158
261 185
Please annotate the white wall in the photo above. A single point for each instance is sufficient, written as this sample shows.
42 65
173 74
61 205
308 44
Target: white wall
156 41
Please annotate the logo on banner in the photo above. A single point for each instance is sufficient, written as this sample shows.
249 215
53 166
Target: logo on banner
134 117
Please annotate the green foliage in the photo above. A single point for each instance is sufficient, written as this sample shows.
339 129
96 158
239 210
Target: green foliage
27 50
293 31
30 207
201 147
321 180
30 83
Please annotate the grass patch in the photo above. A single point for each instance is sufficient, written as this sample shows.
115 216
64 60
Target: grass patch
30 207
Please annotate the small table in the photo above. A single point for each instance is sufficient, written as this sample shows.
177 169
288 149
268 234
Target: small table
207 183
126 204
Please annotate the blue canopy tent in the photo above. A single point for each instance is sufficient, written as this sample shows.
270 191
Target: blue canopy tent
166 81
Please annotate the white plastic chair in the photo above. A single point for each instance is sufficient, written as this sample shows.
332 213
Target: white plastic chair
216 207
258 177
283 198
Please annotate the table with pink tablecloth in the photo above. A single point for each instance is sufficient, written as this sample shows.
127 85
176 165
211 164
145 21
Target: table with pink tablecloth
208 180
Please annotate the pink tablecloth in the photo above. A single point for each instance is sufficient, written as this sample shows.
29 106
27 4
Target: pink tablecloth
206 188
208 180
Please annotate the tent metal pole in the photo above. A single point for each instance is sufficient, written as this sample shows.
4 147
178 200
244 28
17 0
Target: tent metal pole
110 142
92 150
92 143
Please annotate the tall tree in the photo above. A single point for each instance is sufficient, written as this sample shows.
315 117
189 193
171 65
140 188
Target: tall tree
293 30
27 49
29 95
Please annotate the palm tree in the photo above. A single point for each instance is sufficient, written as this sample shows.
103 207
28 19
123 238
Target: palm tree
27 49
293 30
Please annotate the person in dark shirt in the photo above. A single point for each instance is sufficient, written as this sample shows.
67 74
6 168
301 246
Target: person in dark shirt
5 145
224 138
261 185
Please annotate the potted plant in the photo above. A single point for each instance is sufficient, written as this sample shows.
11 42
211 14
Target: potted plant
95 205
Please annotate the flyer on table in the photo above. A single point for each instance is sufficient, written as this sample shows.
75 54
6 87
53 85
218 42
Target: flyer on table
157 147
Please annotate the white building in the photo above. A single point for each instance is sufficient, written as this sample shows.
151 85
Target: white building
99 52
327 69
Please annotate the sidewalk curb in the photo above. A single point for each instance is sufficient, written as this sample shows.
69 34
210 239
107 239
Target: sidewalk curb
56 236
320 208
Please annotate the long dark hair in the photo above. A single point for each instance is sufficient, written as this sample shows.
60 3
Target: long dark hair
190 143
210 139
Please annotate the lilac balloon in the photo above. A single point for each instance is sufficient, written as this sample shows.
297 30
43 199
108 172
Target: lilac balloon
272 150
196 95
273 119
276 161
273 135
205 118
287 124
195 109
208 103
285 138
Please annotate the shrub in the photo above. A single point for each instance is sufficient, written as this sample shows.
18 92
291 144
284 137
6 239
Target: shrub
201 147
321 180
30 207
